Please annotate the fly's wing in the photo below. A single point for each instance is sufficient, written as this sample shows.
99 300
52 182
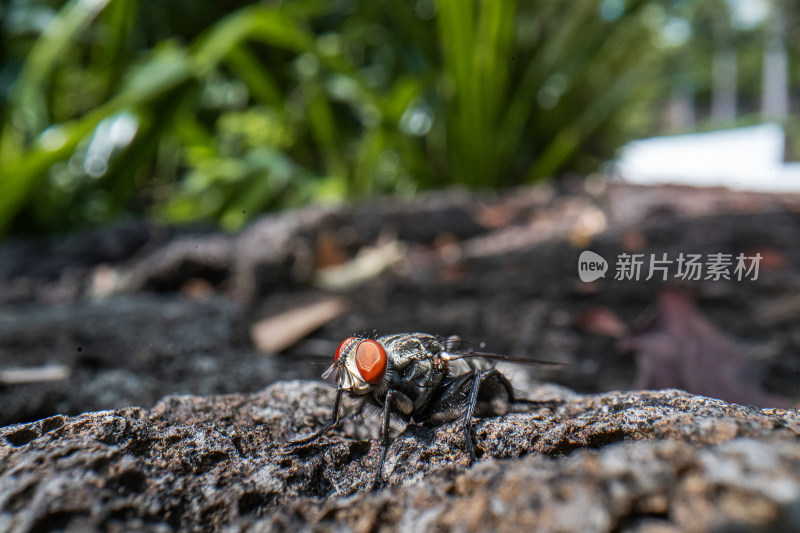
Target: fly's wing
459 365
505 358
496 396
463 356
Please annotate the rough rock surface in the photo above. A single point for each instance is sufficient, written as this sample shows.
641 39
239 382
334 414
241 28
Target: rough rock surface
621 461
126 316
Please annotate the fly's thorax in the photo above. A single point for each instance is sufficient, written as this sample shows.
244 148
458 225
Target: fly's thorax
406 347
421 351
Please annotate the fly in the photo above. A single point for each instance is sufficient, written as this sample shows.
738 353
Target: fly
418 378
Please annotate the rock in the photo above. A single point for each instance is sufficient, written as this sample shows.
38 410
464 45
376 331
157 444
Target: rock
158 310
129 351
619 461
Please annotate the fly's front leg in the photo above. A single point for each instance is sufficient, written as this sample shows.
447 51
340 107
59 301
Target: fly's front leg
332 423
384 439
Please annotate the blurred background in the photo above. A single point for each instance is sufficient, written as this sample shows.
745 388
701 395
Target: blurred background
204 196
218 111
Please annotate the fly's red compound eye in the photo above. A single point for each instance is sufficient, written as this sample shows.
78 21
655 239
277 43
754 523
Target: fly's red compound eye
343 347
371 361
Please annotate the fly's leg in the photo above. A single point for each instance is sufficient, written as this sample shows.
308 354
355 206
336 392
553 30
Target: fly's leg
332 423
479 378
467 419
384 438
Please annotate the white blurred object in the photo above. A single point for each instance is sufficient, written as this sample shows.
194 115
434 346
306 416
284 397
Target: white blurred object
750 158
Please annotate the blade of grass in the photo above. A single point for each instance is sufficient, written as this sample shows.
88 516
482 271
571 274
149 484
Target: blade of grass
261 84
28 99
571 135
164 72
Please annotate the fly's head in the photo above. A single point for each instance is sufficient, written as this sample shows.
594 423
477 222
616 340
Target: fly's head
359 365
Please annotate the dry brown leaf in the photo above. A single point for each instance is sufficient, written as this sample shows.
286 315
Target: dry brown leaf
276 333
493 216
369 263
680 348
197 289
771 258
633 241
602 321
328 250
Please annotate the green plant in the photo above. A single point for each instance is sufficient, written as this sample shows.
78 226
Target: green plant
277 105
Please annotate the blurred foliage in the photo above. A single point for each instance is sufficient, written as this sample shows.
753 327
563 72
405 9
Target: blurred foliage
218 110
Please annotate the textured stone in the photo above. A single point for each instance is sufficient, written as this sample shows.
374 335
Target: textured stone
632 461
